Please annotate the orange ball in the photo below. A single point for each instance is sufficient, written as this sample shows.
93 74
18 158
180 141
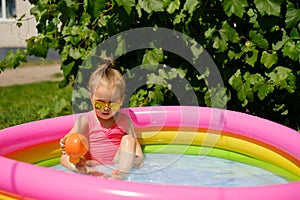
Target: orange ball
76 145
74 160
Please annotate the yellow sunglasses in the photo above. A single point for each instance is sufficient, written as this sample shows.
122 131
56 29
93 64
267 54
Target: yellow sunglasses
100 105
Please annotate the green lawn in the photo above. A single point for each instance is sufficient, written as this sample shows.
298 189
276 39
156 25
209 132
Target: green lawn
30 102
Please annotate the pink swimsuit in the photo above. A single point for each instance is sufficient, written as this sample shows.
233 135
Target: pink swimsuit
104 143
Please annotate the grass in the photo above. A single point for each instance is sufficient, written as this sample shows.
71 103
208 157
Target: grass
39 63
30 102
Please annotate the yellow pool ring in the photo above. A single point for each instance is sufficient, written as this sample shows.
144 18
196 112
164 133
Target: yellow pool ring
219 141
49 150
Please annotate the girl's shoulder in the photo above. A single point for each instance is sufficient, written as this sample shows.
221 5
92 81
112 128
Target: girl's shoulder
84 118
126 124
122 117
123 121
82 124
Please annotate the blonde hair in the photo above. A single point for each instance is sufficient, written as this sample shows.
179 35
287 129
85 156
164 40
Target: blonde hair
106 76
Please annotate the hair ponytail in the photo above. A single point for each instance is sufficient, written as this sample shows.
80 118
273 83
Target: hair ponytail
108 62
106 75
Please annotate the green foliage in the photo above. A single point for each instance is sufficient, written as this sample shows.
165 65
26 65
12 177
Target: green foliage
255 45
12 60
236 7
56 109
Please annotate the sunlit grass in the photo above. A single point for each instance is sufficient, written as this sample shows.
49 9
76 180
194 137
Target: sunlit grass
30 102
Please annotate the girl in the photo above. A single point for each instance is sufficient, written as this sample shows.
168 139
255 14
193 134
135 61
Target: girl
110 134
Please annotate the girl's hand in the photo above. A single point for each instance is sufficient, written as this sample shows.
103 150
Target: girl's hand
62 145
138 161
80 166
83 168
97 173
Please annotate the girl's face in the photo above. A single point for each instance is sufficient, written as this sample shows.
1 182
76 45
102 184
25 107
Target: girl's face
106 102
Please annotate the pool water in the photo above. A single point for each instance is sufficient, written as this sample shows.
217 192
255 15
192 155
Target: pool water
194 170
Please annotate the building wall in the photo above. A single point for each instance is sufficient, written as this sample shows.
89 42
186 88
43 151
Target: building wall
11 35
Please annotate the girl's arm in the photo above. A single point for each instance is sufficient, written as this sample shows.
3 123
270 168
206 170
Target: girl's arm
138 149
81 127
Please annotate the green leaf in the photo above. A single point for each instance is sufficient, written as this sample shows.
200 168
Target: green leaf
280 44
156 96
178 18
35 11
225 33
181 73
283 78
127 4
153 79
248 79
263 90
67 68
268 59
229 33
242 93
152 5
65 53
236 7
268 7
251 56
253 18
75 53
80 93
137 99
174 5
251 53
154 56
12 60
294 34
121 48
232 55
256 79
216 97
162 73
209 33
236 80
196 49
174 72
139 10
260 86
191 5
95 7
59 105
37 46
292 15
220 44
258 39
243 86
292 50
69 3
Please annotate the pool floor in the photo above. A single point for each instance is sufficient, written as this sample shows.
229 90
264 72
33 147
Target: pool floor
194 170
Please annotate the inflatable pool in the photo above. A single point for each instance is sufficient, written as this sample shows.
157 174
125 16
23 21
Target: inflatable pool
26 149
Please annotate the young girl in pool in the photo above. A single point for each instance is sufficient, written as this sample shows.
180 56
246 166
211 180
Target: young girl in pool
110 134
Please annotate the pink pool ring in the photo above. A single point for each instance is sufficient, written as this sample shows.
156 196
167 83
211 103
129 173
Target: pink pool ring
20 178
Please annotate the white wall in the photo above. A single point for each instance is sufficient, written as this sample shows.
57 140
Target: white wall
10 34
